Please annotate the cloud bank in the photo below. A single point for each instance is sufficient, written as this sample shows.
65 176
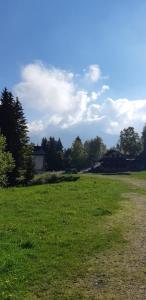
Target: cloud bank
59 99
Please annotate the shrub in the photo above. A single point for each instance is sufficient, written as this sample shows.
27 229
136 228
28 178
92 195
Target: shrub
6 163
52 179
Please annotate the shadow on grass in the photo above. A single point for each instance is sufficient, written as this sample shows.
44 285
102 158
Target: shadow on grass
116 173
101 212
53 179
27 245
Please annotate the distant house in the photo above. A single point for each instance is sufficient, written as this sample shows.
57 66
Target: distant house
38 158
115 161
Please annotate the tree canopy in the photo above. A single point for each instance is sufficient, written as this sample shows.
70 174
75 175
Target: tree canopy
6 162
130 142
78 154
94 148
13 126
53 153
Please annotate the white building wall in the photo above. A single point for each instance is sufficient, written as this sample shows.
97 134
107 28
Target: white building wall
38 161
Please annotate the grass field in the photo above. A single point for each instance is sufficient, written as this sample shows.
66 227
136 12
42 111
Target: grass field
139 175
52 235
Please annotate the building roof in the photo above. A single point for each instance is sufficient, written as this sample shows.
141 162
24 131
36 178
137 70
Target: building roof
38 150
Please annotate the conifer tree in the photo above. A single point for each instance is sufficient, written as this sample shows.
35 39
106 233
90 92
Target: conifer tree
59 155
144 145
54 153
67 158
13 127
44 144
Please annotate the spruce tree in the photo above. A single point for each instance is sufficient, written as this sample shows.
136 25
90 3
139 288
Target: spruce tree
144 145
7 119
59 155
54 153
67 158
51 154
44 145
13 127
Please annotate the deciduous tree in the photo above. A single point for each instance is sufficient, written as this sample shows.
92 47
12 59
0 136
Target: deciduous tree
94 148
78 154
130 142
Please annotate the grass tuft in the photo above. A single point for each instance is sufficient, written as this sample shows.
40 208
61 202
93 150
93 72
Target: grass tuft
27 245
102 212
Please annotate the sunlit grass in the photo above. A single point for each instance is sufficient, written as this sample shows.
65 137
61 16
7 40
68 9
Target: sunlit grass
49 233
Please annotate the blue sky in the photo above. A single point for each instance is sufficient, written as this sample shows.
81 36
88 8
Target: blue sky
50 52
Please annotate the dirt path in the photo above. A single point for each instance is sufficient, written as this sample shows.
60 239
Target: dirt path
126 273
123 272
125 269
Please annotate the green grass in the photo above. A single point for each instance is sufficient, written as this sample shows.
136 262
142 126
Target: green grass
139 175
49 233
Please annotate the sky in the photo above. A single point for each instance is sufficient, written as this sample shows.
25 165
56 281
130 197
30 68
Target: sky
78 66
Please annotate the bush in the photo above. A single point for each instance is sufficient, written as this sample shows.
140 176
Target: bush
6 163
52 179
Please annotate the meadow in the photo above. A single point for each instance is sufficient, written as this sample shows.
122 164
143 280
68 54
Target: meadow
55 239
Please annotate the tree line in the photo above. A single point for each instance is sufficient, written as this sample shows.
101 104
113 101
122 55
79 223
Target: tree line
85 155
16 166
79 156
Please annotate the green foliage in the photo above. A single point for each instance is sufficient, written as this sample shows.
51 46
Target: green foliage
67 159
54 154
52 178
26 173
95 149
144 145
13 127
6 163
144 138
130 142
78 154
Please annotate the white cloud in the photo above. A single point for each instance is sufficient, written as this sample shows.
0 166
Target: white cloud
93 73
121 113
36 126
55 95
96 95
43 88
